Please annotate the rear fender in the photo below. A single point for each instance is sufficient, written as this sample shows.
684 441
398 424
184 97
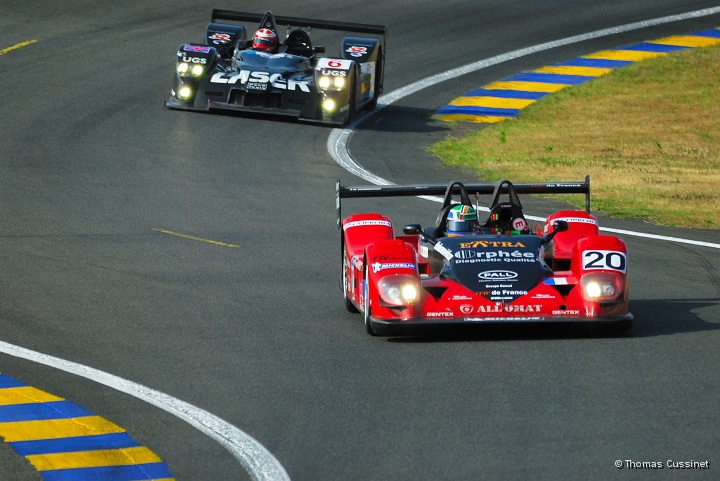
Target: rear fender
361 229
367 53
359 49
224 38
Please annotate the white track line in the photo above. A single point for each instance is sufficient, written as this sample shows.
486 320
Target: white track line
257 461
338 140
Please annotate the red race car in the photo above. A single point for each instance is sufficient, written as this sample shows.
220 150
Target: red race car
462 271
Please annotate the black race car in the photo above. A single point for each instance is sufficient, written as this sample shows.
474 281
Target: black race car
227 73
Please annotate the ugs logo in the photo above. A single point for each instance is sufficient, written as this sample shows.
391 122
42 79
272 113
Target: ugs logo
334 73
497 275
187 59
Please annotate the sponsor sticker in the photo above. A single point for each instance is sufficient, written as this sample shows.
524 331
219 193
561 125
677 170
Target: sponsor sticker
443 251
356 50
377 266
276 80
544 296
187 59
196 48
578 220
461 297
510 308
488 243
601 259
219 38
473 257
360 223
333 63
490 319
497 275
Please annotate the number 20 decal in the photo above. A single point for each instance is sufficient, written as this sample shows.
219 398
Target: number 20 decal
611 260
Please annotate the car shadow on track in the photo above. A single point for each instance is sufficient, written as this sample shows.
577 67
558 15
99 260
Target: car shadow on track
397 118
653 318
663 317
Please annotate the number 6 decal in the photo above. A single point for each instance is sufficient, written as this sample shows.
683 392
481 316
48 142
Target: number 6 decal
610 260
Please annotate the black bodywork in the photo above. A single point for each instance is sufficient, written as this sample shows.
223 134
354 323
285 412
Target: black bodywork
296 81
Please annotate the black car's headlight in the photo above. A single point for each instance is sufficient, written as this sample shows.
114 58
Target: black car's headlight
327 82
185 69
184 92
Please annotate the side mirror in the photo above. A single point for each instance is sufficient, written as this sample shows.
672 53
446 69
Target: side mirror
558 226
416 229
412 229
318 49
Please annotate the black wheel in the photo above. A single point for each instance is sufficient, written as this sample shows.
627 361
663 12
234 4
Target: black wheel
348 303
366 304
353 98
378 83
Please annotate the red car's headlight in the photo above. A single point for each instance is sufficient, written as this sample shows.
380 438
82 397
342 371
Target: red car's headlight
399 290
602 286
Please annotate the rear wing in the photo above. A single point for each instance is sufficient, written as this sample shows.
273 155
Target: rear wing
352 192
302 22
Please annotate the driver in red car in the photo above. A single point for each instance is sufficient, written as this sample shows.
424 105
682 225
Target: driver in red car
462 220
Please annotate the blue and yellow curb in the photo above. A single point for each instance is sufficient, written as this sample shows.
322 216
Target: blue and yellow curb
65 442
505 99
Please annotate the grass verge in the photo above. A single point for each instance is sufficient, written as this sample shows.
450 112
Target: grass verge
647 134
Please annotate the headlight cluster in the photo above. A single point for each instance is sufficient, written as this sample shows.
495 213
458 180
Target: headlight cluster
327 82
185 69
602 287
400 290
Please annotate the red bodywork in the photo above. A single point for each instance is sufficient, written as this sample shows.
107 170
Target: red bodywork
581 276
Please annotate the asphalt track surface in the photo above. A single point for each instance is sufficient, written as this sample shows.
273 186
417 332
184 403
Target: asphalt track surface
93 169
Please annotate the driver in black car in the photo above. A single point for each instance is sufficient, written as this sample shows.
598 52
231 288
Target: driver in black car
265 40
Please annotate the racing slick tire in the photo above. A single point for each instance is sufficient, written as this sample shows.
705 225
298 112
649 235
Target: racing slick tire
352 100
378 76
343 284
366 304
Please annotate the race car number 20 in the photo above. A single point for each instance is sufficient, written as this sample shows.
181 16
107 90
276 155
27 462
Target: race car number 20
609 260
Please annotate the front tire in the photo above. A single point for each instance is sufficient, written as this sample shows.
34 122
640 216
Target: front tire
366 304
348 303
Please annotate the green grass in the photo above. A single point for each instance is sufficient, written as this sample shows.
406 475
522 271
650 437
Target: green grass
647 134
